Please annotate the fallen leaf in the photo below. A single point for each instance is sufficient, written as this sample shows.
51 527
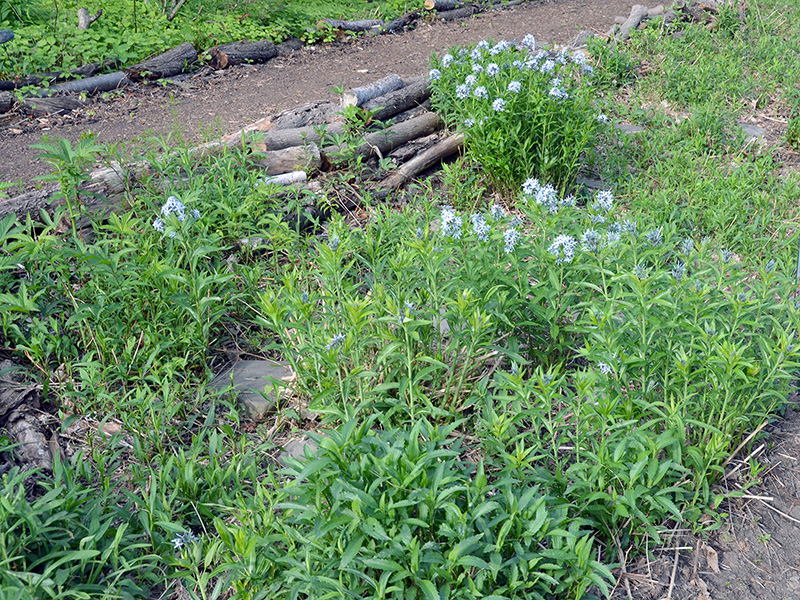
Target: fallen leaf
712 558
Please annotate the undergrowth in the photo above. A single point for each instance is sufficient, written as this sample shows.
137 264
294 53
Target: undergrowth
508 384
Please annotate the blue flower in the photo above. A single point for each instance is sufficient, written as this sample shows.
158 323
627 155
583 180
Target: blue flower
568 201
476 54
499 47
434 74
604 368
336 341
480 227
603 200
516 221
548 197
497 212
640 271
579 58
687 246
601 118
195 213
514 87
499 105
451 223
462 91
556 91
530 187
511 238
477 68
588 69
529 41
629 226
482 45
492 69
447 60
420 234
469 122
654 238
770 266
174 206
679 270
480 92
563 248
304 297
548 66
184 539
470 80
158 225
333 242
590 240
726 256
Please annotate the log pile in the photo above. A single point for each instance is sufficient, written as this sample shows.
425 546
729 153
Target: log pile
291 147
697 11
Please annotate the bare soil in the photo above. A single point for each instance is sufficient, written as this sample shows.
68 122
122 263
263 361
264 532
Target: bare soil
754 554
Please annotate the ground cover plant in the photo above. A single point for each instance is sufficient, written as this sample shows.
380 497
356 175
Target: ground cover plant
512 382
48 38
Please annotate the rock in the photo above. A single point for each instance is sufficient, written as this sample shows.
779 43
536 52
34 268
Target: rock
296 449
754 133
628 128
256 384
655 11
592 184
582 39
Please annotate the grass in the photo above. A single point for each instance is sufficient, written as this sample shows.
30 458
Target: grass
508 388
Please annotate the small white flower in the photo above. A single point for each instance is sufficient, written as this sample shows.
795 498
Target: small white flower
480 92
548 66
447 60
563 248
434 74
601 118
492 69
511 238
477 68
469 122
604 368
462 91
470 80
530 187
514 87
529 41
499 105
579 58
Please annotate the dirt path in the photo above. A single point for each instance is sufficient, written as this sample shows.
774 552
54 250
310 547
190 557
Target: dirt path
201 107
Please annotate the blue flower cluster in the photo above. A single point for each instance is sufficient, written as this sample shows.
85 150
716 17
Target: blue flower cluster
173 206
452 226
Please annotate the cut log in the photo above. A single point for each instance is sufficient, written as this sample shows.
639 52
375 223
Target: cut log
638 13
84 20
167 64
399 24
458 13
383 142
232 140
415 166
92 85
104 191
227 55
7 100
442 4
53 105
411 113
358 96
85 71
314 113
413 94
287 178
298 158
356 26
286 138
414 147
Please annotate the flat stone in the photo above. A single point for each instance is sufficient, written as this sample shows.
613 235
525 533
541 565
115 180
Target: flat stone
592 184
256 384
754 133
628 128
297 449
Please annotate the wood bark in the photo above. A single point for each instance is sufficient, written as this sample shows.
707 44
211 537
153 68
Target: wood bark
7 100
91 85
232 140
286 138
52 105
287 178
414 147
383 142
638 12
314 113
442 4
411 112
226 55
33 449
415 166
400 23
298 158
458 13
358 96
356 26
84 20
167 64
413 94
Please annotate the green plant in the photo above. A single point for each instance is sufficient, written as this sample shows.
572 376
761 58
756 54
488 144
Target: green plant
522 112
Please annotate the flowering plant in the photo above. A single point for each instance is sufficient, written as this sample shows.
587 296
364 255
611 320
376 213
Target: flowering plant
523 110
